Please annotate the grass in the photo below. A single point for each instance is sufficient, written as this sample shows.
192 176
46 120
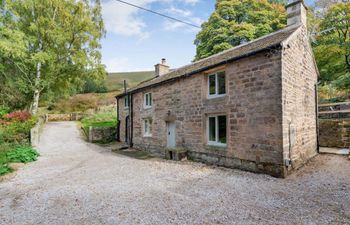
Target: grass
93 101
10 153
115 81
106 119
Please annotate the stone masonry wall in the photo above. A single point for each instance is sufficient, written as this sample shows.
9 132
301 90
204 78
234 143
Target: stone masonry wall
299 77
252 105
335 133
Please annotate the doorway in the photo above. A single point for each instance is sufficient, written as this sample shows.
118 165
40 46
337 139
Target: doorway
171 134
127 129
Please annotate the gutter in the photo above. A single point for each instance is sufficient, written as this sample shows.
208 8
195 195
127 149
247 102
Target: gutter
131 118
276 46
317 120
118 122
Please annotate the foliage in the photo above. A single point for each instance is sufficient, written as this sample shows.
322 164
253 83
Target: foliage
20 116
237 21
282 2
3 110
332 48
16 130
12 153
83 102
331 93
99 120
4 170
22 154
78 103
49 48
92 86
106 119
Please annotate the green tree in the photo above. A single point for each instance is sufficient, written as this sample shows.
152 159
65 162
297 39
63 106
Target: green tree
332 46
237 21
62 46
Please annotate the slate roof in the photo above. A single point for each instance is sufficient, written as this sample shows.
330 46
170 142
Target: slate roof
269 41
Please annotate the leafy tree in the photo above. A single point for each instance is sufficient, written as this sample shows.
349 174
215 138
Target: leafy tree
91 86
237 21
282 2
332 48
62 43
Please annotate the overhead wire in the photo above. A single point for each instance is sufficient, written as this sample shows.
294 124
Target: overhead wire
159 14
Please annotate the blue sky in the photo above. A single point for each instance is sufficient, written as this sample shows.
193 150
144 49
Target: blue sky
137 40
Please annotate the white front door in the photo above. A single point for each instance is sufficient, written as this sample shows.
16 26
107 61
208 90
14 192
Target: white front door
171 129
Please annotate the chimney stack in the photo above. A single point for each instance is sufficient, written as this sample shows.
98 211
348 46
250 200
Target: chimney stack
161 68
296 12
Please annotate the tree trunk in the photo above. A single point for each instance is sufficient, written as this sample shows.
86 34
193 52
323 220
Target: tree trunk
35 105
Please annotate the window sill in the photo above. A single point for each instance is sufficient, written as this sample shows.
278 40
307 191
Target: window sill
215 144
147 107
215 96
147 135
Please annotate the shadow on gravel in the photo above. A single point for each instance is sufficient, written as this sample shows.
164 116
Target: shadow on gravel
132 153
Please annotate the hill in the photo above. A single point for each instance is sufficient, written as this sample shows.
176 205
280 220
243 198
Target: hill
114 81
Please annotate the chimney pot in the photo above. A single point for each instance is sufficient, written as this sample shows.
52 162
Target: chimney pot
296 12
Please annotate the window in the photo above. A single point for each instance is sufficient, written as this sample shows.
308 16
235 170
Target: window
148 100
217 130
147 128
216 84
126 102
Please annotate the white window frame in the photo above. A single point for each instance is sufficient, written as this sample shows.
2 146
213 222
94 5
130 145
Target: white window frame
147 133
150 100
126 100
216 95
216 142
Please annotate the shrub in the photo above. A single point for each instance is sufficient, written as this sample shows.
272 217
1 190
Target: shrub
4 170
23 154
18 116
17 131
3 111
78 103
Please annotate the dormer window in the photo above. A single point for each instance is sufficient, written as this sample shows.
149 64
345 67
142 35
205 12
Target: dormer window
147 100
126 102
216 85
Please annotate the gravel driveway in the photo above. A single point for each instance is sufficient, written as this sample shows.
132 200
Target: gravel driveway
74 182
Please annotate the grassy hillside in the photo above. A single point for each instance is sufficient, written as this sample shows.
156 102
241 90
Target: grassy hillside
115 81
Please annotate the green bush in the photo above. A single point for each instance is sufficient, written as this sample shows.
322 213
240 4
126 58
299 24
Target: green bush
3 110
4 170
22 154
17 132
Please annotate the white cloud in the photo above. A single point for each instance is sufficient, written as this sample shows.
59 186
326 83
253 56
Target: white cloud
186 16
122 64
124 20
193 2
176 11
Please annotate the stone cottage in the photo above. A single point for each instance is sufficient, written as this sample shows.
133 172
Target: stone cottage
252 107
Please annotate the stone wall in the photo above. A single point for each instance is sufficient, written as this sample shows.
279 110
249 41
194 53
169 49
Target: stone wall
269 104
252 105
299 77
334 133
65 117
101 134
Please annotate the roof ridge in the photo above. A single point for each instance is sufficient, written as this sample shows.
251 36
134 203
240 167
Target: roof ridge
241 45
251 47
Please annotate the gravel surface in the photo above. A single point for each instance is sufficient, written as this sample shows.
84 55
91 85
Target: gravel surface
74 182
